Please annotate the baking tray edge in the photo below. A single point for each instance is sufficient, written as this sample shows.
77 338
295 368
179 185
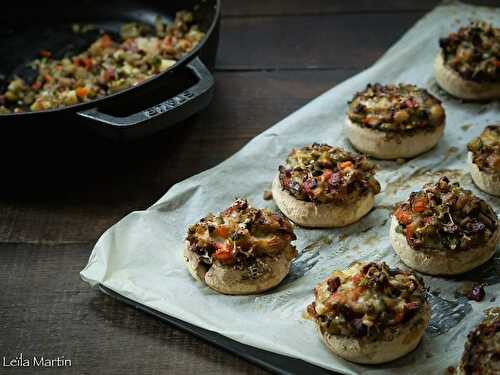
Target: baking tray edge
276 363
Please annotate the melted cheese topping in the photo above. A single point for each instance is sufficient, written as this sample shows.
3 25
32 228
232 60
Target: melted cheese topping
486 149
447 217
482 349
322 173
474 52
366 298
241 233
396 108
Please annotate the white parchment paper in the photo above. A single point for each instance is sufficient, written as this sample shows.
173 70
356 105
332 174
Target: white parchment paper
141 256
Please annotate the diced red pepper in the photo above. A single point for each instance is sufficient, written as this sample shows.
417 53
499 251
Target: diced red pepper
409 231
222 231
84 63
420 204
36 85
223 253
345 165
82 92
87 63
356 292
45 53
106 41
403 216
327 173
357 278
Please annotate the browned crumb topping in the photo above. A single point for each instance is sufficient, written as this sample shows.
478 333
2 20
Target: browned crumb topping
486 150
395 108
474 52
482 349
446 217
239 234
366 299
323 174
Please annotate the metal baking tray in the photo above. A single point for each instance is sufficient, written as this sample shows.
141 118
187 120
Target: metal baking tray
276 363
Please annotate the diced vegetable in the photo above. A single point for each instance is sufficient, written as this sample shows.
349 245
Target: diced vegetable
473 52
486 149
239 234
366 300
322 173
446 217
106 67
396 108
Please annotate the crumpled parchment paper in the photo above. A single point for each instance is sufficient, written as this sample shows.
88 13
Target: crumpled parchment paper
141 256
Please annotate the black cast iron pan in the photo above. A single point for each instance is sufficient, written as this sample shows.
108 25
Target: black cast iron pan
142 110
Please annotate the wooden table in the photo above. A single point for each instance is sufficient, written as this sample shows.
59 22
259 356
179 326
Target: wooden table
274 57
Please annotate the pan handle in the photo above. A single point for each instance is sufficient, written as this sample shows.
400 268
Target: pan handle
178 107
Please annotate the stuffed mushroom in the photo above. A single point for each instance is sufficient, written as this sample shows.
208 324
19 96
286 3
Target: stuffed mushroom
325 186
370 313
444 230
242 250
468 63
484 160
482 348
394 121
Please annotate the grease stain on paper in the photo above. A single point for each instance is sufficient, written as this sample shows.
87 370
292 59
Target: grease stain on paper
301 265
446 314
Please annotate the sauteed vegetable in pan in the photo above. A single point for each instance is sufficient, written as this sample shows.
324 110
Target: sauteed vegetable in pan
105 67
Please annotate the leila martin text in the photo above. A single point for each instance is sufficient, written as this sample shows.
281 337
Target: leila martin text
35 361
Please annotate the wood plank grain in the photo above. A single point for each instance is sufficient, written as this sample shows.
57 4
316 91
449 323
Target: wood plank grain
245 8
274 56
309 42
47 310
77 204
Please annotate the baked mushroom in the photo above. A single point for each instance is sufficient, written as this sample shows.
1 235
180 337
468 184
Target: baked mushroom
370 313
325 186
394 121
242 250
484 160
444 230
468 63
482 349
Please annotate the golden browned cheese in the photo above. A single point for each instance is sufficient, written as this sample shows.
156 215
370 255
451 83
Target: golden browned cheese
365 299
482 349
474 52
240 233
396 108
321 173
444 216
486 149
